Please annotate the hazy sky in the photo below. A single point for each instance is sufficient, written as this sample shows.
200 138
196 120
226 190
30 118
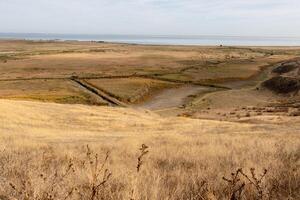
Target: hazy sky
178 17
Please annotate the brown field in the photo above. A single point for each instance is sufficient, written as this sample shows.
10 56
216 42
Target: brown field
212 127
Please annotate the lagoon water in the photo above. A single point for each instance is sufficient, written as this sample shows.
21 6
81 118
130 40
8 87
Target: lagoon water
162 39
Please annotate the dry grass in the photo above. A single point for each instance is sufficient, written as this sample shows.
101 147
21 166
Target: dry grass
59 91
175 168
44 155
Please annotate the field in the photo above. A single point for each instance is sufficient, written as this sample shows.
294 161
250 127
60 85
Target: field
93 120
58 91
24 61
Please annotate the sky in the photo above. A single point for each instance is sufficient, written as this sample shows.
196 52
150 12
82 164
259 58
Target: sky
152 17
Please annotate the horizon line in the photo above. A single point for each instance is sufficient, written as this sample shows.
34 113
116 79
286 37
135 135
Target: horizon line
152 35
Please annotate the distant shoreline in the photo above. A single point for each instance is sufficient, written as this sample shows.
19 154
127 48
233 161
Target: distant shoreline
160 40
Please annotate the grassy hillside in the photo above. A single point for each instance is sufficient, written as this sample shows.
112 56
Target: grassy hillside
44 155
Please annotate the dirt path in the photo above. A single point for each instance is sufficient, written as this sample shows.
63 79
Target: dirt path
172 98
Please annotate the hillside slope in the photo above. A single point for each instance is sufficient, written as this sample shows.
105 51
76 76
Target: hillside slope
57 122
40 140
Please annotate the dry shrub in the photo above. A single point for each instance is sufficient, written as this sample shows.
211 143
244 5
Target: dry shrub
236 185
44 175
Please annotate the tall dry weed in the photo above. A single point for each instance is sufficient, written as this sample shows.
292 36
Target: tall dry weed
170 172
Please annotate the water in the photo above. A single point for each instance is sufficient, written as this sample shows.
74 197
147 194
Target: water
163 39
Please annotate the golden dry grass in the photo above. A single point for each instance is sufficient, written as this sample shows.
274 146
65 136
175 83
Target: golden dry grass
44 154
